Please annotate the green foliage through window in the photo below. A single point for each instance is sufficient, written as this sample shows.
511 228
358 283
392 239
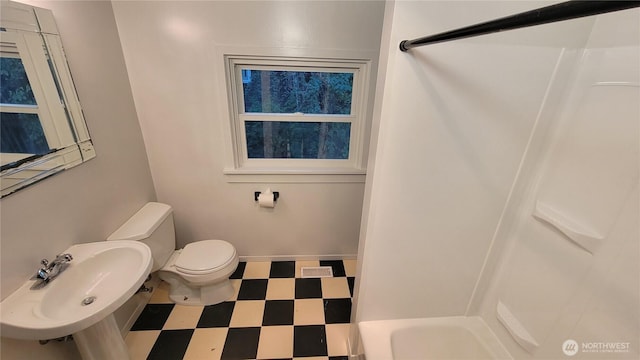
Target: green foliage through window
22 133
14 84
302 94
268 91
297 140
19 132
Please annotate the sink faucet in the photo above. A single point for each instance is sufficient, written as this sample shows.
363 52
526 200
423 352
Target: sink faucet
52 269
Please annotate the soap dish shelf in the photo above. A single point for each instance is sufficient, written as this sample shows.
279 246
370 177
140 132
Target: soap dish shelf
580 234
517 330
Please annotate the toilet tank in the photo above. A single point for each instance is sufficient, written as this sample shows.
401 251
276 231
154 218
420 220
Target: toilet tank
152 225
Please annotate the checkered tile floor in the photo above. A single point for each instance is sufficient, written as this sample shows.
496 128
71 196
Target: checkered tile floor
274 314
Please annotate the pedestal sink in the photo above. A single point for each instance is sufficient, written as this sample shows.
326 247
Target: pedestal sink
81 300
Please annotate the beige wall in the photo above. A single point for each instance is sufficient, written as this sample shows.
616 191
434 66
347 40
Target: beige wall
170 49
90 201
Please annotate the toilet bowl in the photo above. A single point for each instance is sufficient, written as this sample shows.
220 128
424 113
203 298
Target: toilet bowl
198 274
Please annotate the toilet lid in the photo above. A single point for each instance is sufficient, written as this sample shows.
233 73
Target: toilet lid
204 256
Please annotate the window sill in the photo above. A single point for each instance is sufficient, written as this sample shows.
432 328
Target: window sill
258 175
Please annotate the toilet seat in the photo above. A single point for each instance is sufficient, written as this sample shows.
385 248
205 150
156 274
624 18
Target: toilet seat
204 257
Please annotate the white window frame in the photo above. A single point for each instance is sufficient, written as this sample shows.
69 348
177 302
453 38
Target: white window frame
247 169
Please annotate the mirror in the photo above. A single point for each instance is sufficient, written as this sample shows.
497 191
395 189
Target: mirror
42 127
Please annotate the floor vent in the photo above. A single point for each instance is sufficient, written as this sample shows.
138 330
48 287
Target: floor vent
316 272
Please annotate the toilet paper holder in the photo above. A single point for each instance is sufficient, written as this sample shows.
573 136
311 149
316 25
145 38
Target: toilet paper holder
276 195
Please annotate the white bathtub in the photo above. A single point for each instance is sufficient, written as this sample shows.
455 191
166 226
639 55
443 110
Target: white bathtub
430 338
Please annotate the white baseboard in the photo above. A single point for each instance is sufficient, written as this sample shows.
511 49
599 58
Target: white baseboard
298 257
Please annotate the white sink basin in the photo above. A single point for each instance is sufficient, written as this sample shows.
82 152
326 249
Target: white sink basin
103 274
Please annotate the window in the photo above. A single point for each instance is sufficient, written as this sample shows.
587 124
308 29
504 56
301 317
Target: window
293 115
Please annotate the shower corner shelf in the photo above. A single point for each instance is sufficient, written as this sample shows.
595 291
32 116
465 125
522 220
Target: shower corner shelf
520 334
584 237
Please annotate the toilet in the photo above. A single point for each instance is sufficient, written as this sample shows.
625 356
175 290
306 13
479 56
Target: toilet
198 274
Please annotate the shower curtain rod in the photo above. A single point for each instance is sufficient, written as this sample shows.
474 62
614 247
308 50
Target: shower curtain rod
548 14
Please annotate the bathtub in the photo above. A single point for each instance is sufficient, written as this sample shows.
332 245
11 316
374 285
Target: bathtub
430 338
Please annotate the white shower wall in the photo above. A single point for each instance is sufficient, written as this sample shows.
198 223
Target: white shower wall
473 134
582 285
455 122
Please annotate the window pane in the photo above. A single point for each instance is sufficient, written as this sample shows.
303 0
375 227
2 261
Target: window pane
267 91
22 133
297 140
14 84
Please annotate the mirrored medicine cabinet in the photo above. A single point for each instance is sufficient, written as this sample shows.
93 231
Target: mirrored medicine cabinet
42 127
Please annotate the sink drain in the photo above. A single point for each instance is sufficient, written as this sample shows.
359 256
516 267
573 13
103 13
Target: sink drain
88 301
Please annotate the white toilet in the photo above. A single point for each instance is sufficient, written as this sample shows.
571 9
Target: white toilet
198 274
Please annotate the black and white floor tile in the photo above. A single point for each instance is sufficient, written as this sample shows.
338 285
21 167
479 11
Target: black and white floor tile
274 314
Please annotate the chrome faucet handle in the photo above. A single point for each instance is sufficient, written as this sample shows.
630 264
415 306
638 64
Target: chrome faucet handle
44 262
43 274
64 257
